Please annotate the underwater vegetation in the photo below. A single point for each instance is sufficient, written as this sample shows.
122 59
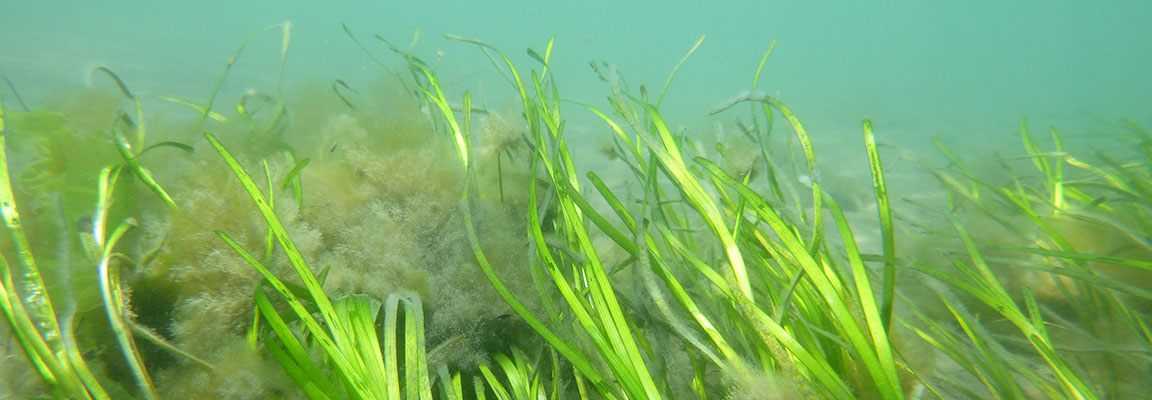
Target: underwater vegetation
398 241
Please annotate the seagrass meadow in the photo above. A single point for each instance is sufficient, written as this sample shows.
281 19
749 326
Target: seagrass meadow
407 239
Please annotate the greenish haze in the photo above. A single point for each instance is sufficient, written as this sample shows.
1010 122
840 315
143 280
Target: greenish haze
733 283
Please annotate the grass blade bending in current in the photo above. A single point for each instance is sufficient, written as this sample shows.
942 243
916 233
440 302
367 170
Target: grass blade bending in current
732 271
1087 292
347 336
429 89
113 296
570 353
668 82
333 339
125 147
589 294
285 28
138 139
29 312
884 209
109 276
819 292
137 169
878 359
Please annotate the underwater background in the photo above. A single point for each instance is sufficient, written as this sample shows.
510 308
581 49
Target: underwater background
1014 135
919 69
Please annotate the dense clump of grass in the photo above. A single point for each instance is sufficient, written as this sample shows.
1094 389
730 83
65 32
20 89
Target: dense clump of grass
44 320
736 280
767 288
1079 306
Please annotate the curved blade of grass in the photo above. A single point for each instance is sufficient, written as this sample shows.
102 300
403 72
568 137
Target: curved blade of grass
416 382
939 337
19 99
270 238
572 355
643 254
293 179
451 384
805 146
1053 171
622 240
298 263
33 285
285 28
333 339
529 109
595 306
176 145
345 367
34 293
92 386
670 157
545 59
29 311
56 373
999 377
763 60
989 290
358 313
813 174
289 352
882 368
391 354
151 336
339 83
113 297
973 187
199 108
599 313
140 131
514 372
494 383
834 303
689 305
436 95
817 367
107 179
884 209
137 169
668 82
365 49
297 374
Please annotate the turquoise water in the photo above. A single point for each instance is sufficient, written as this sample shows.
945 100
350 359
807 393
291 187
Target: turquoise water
919 70
963 72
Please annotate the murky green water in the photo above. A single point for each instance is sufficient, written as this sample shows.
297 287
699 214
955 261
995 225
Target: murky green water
368 185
